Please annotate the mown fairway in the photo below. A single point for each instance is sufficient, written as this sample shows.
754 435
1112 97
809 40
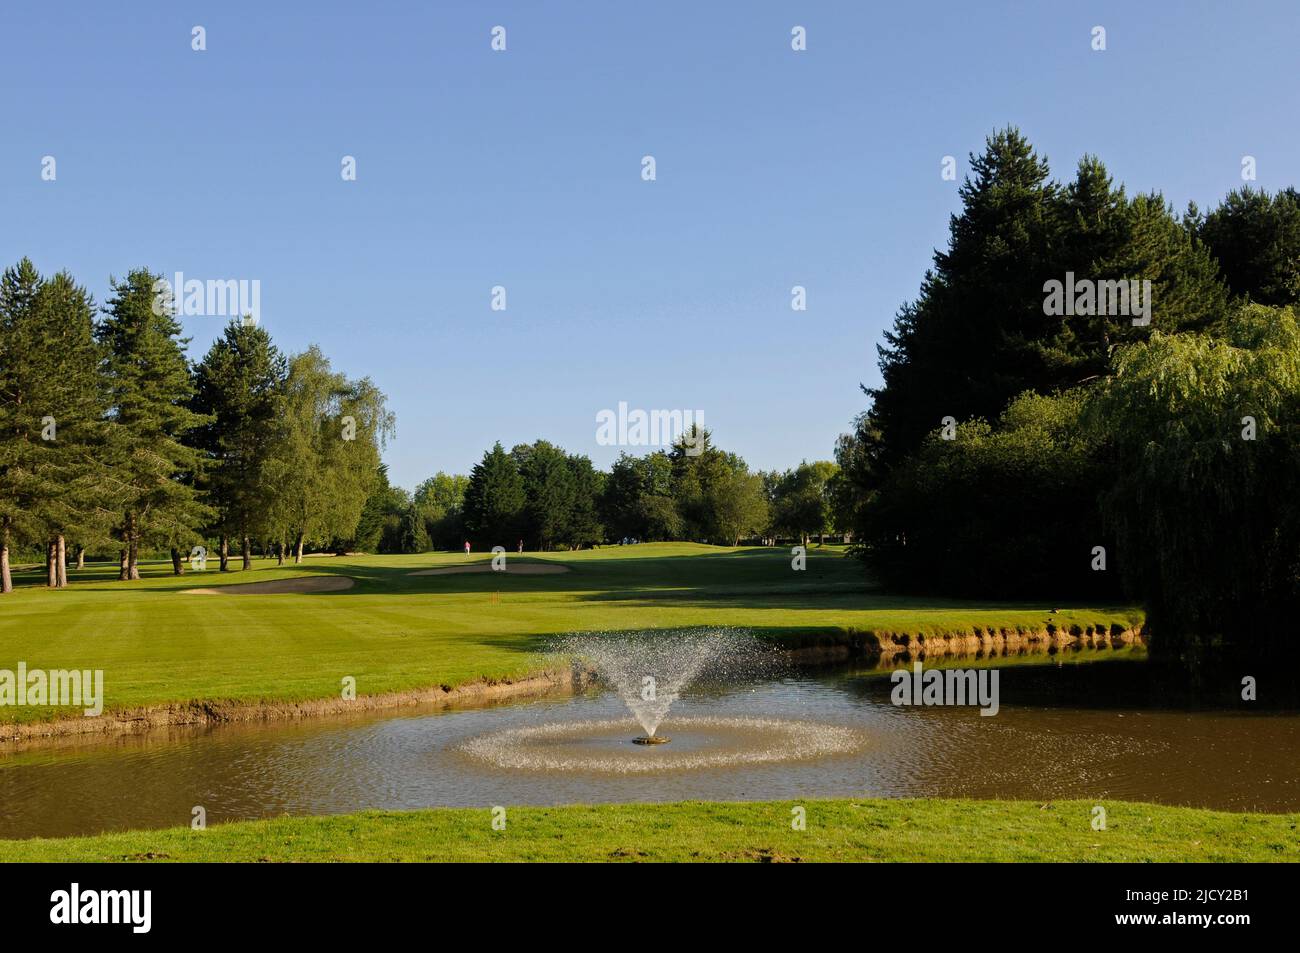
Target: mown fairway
393 631
837 830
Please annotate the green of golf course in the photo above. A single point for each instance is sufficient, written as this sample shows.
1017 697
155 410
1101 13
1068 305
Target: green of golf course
836 830
406 623
394 632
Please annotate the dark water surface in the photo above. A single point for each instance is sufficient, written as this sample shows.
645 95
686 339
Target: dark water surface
1061 733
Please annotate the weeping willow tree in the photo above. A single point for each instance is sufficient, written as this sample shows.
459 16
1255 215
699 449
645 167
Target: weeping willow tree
1204 505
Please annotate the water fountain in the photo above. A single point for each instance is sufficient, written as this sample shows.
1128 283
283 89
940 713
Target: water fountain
649 671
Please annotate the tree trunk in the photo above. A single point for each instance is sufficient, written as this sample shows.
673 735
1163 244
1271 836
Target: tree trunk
123 573
246 551
297 549
225 553
62 561
132 550
6 581
178 566
51 568
81 557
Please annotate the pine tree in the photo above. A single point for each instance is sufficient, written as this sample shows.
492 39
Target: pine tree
1106 237
584 527
75 434
979 333
150 387
239 385
548 492
962 349
698 469
21 452
51 418
494 499
414 534
1256 239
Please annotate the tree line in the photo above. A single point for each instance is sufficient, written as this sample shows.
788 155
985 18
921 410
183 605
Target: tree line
547 498
113 440
1019 450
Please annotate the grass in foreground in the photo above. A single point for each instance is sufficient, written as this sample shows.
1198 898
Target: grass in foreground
837 830
397 632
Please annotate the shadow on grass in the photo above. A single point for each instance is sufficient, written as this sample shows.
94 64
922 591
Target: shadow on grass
594 579
692 581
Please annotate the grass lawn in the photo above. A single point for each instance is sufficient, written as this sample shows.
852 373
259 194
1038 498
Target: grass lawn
393 631
837 830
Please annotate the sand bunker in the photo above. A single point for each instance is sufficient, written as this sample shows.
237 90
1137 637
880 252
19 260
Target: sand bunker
272 587
517 569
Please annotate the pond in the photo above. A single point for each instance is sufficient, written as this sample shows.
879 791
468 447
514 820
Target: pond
1065 728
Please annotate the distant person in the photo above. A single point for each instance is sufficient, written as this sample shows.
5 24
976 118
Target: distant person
467 547
521 547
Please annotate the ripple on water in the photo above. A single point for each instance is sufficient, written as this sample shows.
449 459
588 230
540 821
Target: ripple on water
605 746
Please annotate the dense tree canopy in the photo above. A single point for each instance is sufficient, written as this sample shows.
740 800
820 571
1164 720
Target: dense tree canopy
1256 239
638 498
495 499
978 334
1017 449
325 454
111 441
802 501
1007 510
547 498
440 501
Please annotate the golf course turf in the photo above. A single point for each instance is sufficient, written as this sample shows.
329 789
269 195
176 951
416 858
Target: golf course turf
836 830
398 629
393 631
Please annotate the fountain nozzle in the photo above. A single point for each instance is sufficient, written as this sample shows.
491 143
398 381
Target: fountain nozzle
651 740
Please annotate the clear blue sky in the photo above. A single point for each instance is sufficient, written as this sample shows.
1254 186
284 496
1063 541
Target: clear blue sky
522 169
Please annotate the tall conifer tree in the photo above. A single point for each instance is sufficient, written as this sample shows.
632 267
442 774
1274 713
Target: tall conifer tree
239 385
151 388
